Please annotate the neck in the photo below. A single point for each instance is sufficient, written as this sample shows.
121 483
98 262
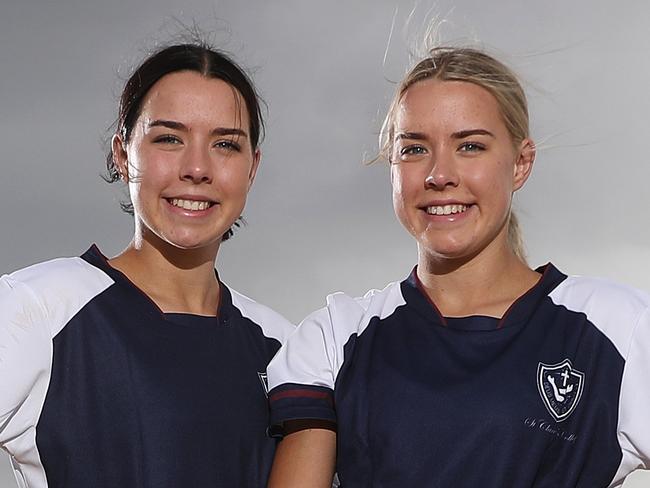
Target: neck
177 280
484 284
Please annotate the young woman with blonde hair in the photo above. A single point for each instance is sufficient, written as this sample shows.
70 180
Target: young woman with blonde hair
475 370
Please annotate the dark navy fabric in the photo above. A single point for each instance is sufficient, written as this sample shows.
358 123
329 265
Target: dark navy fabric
425 401
138 398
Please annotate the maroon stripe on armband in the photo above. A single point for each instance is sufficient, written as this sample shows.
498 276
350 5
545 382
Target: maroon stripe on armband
299 393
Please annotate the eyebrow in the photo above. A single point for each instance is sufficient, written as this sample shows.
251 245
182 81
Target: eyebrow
410 135
229 131
218 131
170 124
461 134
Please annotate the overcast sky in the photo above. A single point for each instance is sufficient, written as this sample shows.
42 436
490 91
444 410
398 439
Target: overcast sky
319 220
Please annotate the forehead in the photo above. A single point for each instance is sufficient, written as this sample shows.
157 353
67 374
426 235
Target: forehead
447 104
187 96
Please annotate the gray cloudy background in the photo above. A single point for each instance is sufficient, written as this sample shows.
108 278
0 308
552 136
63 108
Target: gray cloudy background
318 219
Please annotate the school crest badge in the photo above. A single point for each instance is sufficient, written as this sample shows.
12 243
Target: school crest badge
560 386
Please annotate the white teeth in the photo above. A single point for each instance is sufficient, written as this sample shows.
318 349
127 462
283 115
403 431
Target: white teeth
192 205
446 209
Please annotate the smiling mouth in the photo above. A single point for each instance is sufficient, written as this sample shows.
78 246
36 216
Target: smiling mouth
191 205
446 209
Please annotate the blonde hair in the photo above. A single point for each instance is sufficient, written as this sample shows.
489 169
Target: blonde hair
471 66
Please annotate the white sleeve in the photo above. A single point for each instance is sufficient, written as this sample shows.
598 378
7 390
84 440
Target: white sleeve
302 376
308 357
313 354
634 414
25 358
303 373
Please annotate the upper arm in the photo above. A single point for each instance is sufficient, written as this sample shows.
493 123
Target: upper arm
634 422
25 351
314 352
301 381
303 372
308 357
305 458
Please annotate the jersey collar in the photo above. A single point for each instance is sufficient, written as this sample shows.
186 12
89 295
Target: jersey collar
95 257
519 312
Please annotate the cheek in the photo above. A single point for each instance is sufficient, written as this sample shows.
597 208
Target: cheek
406 181
396 180
149 174
404 193
492 182
504 183
144 163
234 178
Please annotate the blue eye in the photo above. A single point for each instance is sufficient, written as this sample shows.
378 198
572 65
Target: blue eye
228 145
471 147
412 150
167 139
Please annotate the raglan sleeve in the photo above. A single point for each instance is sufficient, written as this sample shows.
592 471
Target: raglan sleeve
303 373
634 419
25 349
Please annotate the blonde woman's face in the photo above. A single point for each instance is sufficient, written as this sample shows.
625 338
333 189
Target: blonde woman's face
454 168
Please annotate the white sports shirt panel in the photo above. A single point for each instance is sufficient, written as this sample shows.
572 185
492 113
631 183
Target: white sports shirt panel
600 327
35 304
315 353
622 314
273 325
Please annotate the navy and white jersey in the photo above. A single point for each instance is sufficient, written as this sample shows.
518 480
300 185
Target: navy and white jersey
554 394
99 388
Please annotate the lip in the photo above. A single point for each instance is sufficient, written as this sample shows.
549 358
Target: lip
449 218
191 213
443 202
189 196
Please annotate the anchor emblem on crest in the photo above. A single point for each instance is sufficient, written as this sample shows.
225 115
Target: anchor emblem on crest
560 386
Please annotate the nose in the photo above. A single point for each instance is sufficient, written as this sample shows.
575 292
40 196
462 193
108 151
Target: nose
196 167
443 174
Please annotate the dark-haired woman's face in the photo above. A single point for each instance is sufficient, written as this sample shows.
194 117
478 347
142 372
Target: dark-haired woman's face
189 160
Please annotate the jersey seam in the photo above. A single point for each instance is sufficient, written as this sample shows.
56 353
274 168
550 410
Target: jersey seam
34 296
335 364
634 330
623 377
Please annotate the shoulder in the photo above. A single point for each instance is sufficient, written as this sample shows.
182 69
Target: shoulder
592 294
60 271
55 289
376 303
355 313
615 309
315 353
271 322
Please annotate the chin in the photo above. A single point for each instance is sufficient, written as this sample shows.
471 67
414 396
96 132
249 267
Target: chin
192 243
446 251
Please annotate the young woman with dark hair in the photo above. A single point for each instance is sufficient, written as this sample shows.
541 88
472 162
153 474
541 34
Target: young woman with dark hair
145 369
476 370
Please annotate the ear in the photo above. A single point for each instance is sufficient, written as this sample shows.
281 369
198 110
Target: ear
120 157
256 163
524 163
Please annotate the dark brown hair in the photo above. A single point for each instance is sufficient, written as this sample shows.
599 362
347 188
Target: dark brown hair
197 57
